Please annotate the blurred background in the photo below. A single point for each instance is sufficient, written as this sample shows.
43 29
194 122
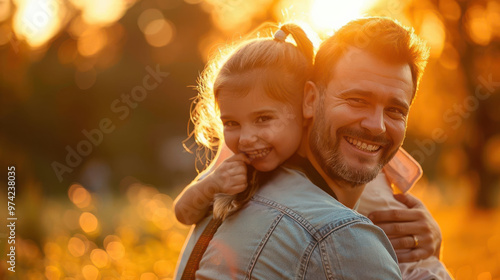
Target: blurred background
94 107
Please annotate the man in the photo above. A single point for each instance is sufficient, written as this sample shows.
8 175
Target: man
357 105
368 96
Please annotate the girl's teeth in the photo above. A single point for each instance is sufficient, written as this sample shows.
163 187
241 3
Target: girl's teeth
258 153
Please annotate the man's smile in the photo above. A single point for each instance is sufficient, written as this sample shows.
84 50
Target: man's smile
361 145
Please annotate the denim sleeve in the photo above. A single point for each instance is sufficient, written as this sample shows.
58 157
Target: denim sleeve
357 251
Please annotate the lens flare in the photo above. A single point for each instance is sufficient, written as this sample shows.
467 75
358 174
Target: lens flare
37 21
327 15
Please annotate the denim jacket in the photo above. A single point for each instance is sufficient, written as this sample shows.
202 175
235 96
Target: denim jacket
291 229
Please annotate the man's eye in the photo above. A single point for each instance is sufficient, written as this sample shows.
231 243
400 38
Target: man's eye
356 101
397 112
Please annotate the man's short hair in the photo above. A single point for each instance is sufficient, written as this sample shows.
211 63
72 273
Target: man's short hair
384 37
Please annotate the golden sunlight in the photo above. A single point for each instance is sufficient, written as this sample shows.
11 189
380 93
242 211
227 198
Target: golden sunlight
37 21
102 12
327 15
324 16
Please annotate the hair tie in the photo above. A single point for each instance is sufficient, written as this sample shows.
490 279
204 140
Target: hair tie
280 35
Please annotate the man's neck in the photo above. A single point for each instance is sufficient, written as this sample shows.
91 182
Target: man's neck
345 192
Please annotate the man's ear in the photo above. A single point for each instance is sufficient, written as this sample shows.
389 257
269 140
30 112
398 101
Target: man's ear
311 95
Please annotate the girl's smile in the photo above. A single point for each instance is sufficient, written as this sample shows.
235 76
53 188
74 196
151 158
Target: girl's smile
267 131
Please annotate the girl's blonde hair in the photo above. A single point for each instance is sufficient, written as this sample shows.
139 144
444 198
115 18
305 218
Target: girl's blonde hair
282 69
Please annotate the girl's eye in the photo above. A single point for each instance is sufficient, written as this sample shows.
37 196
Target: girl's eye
230 123
261 119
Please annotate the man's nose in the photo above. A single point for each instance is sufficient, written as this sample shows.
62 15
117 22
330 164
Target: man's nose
374 121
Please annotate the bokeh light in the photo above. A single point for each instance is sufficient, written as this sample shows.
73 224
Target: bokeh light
76 247
37 21
163 268
115 250
92 41
88 222
99 258
101 12
90 272
433 32
79 196
147 16
478 27
148 276
52 272
159 32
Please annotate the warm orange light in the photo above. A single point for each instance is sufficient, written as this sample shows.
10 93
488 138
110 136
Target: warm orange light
52 272
92 41
101 12
52 251
37 21
433 32
324 16
148 276
484 276
148 16
90 272
79 196
175 241
193 2
88 222
491 154
450 58
115 250
477 25
159 32
127 234
5 10
163 268
99 258
76 247
67 51
327 15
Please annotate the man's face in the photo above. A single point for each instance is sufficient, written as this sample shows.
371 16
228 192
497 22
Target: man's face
360 120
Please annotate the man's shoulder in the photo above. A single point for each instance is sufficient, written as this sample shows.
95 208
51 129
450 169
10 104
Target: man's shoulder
290 192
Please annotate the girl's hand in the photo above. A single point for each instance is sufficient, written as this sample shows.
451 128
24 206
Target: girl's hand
231 175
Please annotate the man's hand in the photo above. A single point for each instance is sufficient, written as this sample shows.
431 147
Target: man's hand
406 228
230 177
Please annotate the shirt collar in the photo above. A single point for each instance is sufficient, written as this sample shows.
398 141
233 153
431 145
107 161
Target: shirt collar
403 171
302 164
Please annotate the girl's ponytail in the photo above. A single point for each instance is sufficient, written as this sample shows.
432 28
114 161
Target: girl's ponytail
304 44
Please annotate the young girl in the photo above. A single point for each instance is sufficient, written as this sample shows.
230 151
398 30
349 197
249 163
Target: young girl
258 94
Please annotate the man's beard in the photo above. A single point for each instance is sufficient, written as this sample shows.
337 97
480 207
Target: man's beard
329 157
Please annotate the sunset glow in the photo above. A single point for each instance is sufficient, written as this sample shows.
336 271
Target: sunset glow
37 21
327 15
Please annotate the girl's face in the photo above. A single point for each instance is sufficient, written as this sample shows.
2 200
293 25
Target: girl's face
267 131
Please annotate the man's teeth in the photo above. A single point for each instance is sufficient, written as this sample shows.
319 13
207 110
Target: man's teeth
258 153
362 145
